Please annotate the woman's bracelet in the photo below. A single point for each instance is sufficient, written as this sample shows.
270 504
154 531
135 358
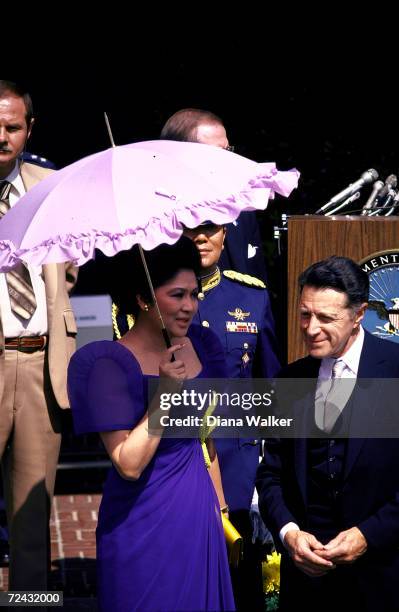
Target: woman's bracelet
225 509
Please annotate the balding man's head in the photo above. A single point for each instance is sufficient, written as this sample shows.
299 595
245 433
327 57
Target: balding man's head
196 125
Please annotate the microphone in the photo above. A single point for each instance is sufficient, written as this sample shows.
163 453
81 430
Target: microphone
349 200
367 177
395 204
382 208
377 187
387 191
390 181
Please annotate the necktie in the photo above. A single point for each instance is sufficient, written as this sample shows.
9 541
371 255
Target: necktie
333 405
19 283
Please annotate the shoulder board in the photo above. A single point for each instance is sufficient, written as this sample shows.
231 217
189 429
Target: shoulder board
244 279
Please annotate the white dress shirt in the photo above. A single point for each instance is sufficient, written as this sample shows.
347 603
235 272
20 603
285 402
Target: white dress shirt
14 326
351 360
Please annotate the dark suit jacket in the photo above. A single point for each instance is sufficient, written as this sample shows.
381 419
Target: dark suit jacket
370 491
243 249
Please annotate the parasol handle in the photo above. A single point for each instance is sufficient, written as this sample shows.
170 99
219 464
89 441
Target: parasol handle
166 338
167 341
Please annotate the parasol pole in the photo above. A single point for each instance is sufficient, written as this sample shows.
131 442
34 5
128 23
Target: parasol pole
146 270
147 273
109 130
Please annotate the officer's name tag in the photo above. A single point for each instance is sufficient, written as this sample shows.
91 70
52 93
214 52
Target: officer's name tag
242 326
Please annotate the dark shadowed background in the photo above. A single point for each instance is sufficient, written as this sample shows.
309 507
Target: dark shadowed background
327 107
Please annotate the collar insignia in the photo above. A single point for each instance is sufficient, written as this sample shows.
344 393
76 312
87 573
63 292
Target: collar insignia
209 281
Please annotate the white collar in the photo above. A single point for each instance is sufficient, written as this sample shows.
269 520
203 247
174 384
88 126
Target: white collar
351 357
17 184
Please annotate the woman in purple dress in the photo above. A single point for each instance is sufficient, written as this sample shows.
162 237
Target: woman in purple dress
160 543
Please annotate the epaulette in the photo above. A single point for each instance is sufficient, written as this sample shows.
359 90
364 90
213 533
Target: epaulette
245 279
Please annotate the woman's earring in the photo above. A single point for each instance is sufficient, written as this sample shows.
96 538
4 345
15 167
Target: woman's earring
146 308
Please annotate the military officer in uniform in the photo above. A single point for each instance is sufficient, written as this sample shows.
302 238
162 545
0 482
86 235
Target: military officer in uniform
237 308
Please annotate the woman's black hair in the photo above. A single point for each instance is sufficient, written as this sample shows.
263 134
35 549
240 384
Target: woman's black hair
125 277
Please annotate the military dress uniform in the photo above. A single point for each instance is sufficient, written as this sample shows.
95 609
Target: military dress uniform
237 308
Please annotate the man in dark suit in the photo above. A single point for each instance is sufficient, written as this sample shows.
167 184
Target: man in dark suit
243 249
332 502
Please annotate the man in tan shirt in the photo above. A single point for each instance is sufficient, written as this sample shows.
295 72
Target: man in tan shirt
37 338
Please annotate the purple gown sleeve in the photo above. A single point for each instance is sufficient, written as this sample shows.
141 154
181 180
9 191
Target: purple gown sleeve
105 387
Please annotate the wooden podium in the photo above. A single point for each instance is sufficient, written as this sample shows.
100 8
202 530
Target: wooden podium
314 237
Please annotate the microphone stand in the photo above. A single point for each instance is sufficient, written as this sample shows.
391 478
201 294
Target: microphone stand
349 200
380 209
391 210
